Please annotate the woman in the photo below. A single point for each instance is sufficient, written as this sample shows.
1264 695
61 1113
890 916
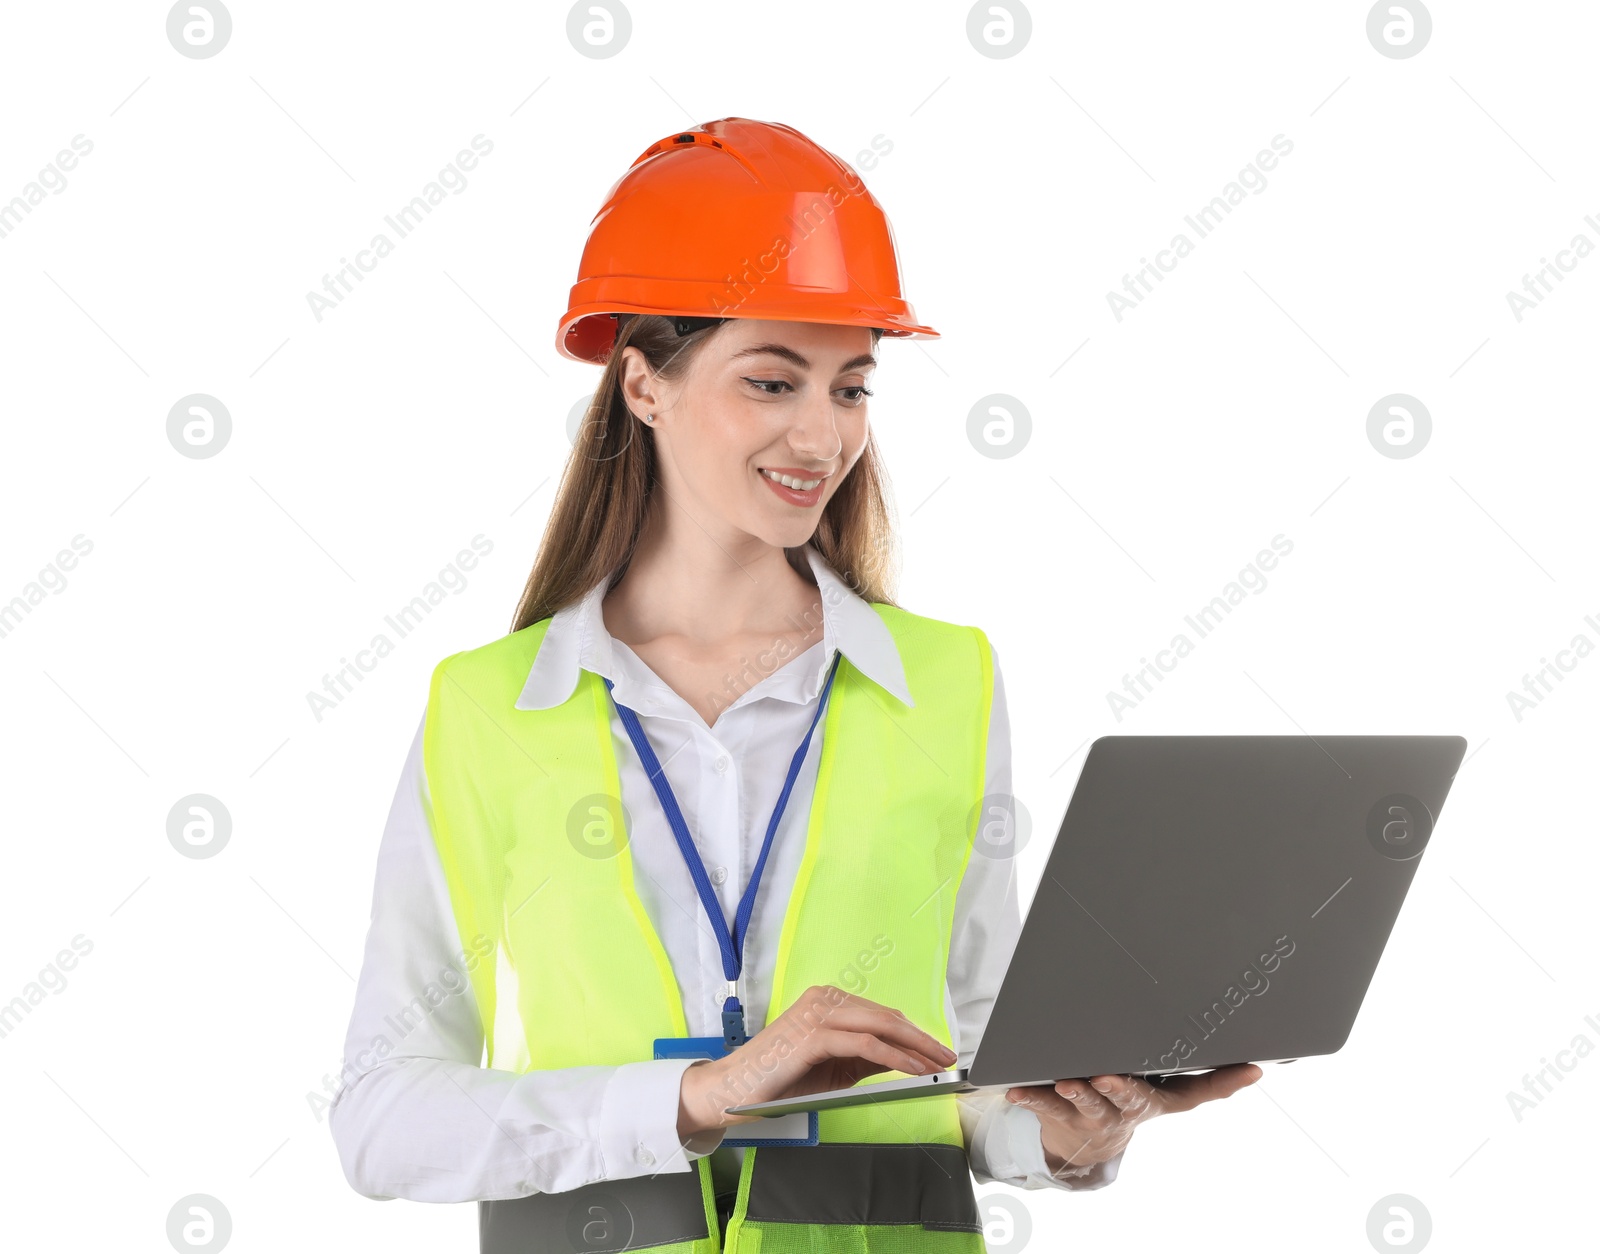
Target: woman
714 784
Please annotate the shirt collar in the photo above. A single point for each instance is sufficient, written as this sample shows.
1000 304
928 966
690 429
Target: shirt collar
577 639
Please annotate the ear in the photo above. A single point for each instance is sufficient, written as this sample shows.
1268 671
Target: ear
641 390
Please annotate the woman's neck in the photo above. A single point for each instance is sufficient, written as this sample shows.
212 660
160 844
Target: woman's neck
703 590
712 619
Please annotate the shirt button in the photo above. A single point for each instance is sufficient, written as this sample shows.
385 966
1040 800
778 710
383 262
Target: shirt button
645 1156
718 874
722 765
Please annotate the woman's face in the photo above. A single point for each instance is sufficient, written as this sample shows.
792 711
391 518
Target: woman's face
760 431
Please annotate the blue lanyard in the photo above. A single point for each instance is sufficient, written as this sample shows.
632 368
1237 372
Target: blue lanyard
732 945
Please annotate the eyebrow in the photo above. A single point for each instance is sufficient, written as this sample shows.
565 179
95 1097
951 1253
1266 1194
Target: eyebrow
789 355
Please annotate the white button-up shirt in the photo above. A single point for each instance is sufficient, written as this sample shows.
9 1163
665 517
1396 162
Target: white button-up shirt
418 1116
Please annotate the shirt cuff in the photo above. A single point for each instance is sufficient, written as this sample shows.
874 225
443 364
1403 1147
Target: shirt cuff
1022 1139
639 1116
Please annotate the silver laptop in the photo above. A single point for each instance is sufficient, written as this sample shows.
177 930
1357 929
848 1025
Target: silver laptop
1208 900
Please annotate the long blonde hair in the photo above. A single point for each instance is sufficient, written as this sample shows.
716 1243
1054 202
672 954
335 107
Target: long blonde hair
605 488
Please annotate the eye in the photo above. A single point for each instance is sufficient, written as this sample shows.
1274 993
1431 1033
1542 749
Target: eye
763 384
861 394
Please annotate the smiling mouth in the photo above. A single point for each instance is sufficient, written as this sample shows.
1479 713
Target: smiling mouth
792 481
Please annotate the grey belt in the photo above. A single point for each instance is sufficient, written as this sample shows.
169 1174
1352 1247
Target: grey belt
832 1183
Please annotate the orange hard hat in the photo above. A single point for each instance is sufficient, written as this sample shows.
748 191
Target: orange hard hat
736 219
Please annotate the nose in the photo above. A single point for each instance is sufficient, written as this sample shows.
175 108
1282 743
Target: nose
815 434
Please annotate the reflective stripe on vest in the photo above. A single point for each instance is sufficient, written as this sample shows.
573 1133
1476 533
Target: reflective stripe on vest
526 811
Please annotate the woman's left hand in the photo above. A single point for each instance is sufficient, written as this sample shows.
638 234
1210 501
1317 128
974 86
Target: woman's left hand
1085 1122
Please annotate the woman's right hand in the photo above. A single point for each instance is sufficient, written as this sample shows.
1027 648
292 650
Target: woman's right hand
828 1039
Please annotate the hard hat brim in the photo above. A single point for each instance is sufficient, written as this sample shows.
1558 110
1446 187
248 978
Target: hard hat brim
587 332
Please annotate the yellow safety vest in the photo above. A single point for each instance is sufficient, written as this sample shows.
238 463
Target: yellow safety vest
525 808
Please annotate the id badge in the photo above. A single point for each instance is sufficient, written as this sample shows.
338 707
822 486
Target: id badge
799 1128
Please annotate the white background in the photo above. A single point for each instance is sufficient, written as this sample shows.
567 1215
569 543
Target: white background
430 406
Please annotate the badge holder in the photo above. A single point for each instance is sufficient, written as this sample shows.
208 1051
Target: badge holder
799 1128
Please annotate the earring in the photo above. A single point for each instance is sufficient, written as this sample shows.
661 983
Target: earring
650 418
